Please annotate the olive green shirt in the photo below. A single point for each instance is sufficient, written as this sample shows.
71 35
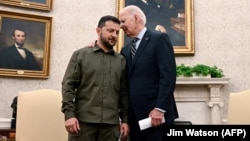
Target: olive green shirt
94 87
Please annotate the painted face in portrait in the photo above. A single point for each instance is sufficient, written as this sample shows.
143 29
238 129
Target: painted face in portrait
19 37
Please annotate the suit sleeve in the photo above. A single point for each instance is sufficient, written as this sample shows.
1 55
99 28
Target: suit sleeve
167 72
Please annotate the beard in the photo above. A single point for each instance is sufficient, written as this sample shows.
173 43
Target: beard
20 44
108 43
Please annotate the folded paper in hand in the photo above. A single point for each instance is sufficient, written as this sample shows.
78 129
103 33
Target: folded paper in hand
120 137
146 123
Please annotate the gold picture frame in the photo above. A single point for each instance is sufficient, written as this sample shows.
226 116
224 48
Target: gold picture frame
181 25
37 33
45 5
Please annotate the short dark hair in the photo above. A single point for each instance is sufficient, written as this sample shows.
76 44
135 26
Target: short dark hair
103 19
18 28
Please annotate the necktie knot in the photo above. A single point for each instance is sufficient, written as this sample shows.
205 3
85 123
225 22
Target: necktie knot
20 47
135 40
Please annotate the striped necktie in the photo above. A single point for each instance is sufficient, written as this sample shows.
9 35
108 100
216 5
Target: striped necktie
133 48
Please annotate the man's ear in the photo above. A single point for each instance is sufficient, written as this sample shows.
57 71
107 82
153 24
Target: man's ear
137 19
98 30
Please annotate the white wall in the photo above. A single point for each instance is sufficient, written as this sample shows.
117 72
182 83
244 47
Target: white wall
221 38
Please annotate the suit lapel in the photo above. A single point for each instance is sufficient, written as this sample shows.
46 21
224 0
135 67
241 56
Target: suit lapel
141 47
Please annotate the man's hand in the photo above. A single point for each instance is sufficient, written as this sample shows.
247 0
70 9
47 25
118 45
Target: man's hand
92 44
72 125
124 131
156 117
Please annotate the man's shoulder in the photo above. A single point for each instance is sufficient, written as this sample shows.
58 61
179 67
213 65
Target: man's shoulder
118 54
155 32
8 49
83 49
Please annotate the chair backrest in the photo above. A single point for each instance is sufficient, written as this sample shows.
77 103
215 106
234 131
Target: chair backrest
238 108
39 116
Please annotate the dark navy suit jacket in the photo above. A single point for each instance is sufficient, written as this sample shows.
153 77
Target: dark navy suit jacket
152 76
10 58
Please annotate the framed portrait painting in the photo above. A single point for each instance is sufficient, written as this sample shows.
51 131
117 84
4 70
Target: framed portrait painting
175 17
24 45
45 5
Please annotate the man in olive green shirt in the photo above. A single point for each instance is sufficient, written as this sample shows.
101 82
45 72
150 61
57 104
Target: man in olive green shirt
94 89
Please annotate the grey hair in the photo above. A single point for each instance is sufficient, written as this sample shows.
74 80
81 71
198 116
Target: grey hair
136 10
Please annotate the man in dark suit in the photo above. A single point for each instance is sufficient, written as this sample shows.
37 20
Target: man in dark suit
151 76
16 56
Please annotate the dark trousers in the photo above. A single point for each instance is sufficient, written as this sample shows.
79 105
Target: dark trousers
96 132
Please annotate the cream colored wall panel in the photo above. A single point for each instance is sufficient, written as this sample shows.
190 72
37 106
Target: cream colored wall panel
222 38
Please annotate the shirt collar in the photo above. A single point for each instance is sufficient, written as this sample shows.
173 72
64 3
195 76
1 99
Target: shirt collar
19 47
141 34
96 48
